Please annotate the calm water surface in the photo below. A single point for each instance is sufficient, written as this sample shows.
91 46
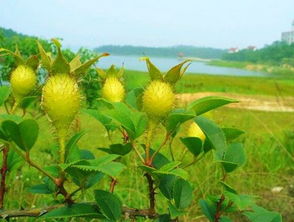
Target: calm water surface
133 63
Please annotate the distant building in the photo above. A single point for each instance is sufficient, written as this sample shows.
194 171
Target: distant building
288 36
252 48
233 50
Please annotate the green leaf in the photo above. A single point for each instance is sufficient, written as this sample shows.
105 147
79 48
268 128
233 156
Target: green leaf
24 134
45 58
82 69
234 157
109 204
208 103
260 214
154 72
193 144
159 160
170 166
75 210
60 64
17 56
134 98
84 179
102 118
140 121
232 133
29 131
182 193
14 161
122 114
241 201
40 189
14 118
27 101
103 164
166 185
75 63
176 118
225 219
33 62
120 149
214 134
175 73
208 209
228 187
174 212
4 94
72 154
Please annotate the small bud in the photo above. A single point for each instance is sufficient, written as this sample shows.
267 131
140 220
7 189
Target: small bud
23 80
158 99
113 90
195 131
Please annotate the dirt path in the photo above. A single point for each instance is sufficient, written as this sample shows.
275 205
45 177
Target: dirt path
251 102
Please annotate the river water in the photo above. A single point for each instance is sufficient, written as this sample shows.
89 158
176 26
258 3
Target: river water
133 63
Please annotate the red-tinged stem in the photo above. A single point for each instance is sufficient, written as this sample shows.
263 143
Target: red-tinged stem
112 184
4 170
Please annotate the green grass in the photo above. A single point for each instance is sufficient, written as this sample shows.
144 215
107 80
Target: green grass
266 144
192 83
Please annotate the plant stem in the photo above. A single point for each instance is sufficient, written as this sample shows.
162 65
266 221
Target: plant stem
14 107
170 148
62 149
151 193
59 182
138 153
112 184
37 212
218 209
152 125
36 166
159 148
3 175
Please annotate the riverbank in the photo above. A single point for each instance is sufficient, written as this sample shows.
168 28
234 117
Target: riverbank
284 69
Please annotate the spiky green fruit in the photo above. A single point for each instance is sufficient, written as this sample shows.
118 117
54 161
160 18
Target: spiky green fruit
113 90
195 131
158 99
23 80
61 101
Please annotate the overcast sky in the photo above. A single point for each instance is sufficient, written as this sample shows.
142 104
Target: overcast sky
90 23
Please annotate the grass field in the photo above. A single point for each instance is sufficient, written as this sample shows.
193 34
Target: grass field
269 142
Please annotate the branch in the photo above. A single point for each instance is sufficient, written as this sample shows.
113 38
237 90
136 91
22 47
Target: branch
218 212
159 148
4 170
151 194
37 212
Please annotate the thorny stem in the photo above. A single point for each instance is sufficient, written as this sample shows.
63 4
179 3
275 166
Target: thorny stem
129 213
218 212
4 170
151 193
